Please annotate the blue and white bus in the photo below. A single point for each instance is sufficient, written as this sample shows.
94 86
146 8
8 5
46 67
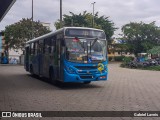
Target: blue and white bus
70 54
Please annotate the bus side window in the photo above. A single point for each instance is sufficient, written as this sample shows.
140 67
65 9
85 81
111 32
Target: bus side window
32 48
40 46
47 45
53 44
36 48
62 42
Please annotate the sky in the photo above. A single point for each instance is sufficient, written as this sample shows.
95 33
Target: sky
120 12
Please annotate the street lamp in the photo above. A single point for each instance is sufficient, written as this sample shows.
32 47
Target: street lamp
93 14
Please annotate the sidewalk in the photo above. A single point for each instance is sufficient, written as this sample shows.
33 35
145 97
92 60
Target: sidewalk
114 62
11 65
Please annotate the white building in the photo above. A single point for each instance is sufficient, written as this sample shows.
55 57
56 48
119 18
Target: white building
15 54
47 25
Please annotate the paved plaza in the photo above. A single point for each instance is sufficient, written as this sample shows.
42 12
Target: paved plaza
125 90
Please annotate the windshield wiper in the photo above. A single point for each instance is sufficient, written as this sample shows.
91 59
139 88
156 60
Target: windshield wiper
95 40
90 47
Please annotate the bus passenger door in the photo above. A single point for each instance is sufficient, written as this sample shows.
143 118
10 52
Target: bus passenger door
61 62
58 63
59 58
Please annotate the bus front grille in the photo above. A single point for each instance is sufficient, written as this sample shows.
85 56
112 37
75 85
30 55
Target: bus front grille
85 67
86 77
81 72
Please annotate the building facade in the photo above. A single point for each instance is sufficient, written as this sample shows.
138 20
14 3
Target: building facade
47 25
3 49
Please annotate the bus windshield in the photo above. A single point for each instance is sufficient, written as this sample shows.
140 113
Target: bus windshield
85 50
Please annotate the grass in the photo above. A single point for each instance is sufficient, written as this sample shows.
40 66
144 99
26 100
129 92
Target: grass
155 68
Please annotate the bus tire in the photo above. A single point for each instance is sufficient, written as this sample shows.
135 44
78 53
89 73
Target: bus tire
52 77
87 82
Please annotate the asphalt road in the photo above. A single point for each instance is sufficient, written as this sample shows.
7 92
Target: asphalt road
125 90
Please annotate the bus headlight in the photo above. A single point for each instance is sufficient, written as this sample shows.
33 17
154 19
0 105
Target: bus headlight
70 70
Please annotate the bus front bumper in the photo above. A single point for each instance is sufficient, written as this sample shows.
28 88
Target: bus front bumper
87 77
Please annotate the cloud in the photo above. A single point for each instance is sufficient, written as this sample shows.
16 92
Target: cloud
120 12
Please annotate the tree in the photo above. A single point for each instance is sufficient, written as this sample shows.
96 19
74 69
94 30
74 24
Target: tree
121 48
17 34
85 20
155 50
141 36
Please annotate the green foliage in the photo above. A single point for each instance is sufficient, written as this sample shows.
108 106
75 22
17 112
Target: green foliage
85 20
17 34
119 58
126 60
154 68
123 65
120 48
141 36
154 50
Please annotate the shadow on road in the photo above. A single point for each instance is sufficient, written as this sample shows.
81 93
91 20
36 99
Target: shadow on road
67 86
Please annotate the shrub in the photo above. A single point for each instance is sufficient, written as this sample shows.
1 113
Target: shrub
126 60
119 58
123 65
156 68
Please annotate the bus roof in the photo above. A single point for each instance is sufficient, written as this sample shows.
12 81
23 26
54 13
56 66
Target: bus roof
57 31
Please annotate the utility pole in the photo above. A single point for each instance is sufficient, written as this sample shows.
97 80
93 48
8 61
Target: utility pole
60 13
72 23
32 20
93 14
